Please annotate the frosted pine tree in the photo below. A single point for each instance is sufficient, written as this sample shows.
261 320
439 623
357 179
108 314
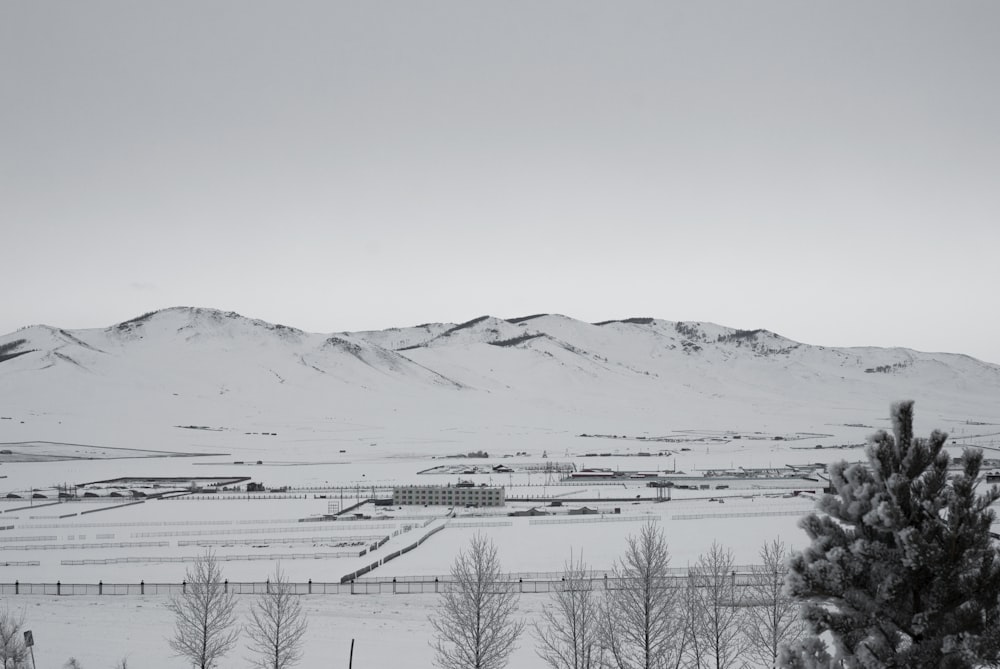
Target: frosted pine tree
902 570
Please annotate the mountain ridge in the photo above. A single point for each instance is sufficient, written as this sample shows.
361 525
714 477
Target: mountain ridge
193 365
689 328
687 337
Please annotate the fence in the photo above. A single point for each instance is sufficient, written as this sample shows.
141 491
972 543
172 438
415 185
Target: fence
555 576
230 496
352 492
392 556
143 588
741 580
255 531
346 524
164 523
593 519
107 508
340 541
122 544
28 507
748 514
220 558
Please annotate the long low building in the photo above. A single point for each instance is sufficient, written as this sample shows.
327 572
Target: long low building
448 495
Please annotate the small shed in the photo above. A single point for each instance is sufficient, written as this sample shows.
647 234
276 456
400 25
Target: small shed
533 511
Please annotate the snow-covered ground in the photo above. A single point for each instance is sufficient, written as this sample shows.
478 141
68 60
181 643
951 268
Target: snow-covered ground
386 627
338 419
388 630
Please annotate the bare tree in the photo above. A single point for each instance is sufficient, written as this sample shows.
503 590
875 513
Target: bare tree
13 652
717 613
642 626
204 615
693 654
569 634
475 626
772 614
276 626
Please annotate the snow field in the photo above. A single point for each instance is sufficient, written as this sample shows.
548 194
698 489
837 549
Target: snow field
389 630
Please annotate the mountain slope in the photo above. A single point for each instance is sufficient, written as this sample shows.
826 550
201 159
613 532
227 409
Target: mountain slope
192 366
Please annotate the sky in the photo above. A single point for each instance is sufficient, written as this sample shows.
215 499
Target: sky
825 170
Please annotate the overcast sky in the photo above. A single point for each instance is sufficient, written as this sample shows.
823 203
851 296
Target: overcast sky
826 170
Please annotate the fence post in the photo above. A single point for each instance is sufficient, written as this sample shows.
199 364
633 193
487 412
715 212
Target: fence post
225 585
100 587
435 584
183 587
310 586
394 585
142 587
605 581
17 587
520 584
58 587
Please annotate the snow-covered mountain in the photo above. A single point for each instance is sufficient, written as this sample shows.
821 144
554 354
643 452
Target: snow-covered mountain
136 380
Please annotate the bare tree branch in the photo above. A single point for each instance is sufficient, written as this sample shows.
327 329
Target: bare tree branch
204 615
717 614
569 633
13 652
693 653
276 626
642 627
772 613
475 626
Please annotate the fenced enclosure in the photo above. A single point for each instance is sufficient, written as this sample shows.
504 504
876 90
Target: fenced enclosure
743 579
57 547
594 518
191 559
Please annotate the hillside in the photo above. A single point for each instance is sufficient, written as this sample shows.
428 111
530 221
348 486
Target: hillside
433 383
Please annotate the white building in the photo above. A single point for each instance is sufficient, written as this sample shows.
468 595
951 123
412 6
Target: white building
447 495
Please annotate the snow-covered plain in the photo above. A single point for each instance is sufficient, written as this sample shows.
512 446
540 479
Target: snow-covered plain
334 417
